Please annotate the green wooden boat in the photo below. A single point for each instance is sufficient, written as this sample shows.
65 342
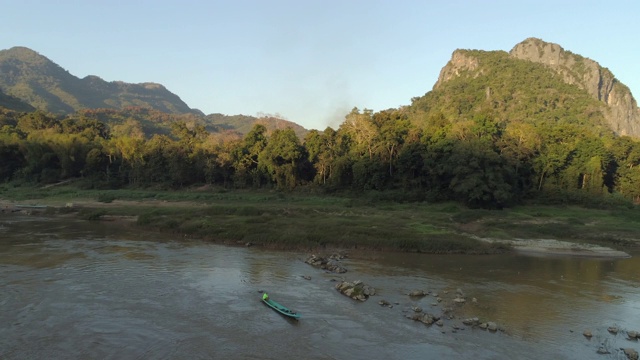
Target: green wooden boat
280 308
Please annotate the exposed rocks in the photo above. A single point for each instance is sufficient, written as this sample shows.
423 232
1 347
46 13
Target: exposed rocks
613 330
355 290
632 354
587 334
471 321
418 293
329 264
425 318
385 303
633 335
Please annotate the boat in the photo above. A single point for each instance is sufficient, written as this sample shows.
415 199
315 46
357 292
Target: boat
280 308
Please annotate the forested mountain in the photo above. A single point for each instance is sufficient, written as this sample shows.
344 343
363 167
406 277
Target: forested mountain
621 112
38 81
244 123
537 81
13 103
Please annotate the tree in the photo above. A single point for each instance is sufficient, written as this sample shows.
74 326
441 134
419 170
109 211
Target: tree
393 127
360 128
282 157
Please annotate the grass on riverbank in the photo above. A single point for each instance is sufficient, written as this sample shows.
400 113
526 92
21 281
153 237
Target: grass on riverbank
297 221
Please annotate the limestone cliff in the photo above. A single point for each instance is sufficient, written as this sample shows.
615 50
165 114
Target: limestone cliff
460 61
622 111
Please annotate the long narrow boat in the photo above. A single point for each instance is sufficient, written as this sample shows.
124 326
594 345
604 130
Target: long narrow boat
280 308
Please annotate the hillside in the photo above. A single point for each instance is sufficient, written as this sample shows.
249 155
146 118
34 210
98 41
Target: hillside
622 112
536 83
13 103
39 82
244 123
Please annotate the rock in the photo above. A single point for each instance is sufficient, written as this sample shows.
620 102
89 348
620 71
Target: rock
491 326
602 351
587 333
631 353
417 293
331 264
471 321
425 318
306 277
416 309
632 334
384 303
612 329
356 290
474 300
459 300
459 292
440 323
483 326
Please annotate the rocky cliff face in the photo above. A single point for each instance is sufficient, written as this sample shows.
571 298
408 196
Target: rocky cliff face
460 61
622 113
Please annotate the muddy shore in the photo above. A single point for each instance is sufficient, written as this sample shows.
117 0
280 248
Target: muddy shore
536 247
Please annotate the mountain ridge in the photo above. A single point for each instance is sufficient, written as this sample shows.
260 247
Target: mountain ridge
620 108
33 78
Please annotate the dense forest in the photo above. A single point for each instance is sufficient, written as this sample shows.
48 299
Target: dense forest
490 139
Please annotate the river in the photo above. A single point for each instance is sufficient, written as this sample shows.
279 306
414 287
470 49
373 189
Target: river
72 289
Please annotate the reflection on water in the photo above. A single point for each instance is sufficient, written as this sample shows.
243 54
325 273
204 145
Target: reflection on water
74 290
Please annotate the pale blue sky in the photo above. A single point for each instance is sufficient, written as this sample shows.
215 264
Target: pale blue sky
309 61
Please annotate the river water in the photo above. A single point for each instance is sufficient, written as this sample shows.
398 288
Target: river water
71 289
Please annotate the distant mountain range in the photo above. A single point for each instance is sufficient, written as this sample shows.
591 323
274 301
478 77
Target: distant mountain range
30 81
535 80
38 81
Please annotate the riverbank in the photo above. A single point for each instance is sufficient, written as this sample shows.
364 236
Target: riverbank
312 222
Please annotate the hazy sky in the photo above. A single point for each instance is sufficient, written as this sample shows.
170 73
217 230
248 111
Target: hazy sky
306 60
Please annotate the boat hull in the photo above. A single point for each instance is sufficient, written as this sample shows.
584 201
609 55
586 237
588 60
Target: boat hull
281 309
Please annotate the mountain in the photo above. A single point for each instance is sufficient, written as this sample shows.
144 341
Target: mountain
13 103
243 123
535 82
39 82
622 113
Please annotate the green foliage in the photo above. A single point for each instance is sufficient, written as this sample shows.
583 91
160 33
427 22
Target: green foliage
499 133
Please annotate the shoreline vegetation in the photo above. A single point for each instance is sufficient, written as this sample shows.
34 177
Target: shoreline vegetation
306 221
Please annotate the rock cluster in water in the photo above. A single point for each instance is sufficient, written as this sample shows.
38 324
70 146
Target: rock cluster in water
446 301
604 347
356 290
330 263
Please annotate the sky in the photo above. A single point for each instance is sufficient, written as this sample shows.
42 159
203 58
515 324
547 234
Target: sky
308 61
